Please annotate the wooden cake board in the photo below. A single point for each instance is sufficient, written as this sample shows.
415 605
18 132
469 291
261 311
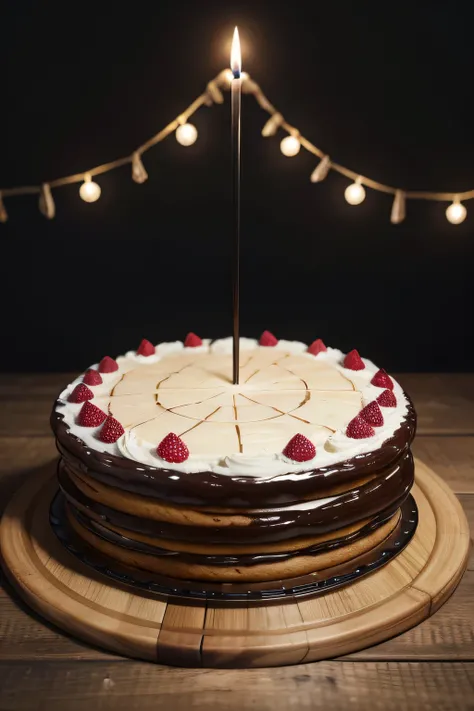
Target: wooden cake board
140 624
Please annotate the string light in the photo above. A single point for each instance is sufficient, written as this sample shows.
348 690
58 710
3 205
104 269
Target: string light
139 174
46 203
214 93
398 213
456 213
186 134
321 170
3 210
272 125
89 191
248 84
290 146
355 193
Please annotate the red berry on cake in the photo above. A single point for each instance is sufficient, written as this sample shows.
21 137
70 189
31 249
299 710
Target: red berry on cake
353 361
387 399
92 377
192 341
90 415
300 449
268 339
382 380
81 393
172 449
372 414
111 431
317 347
359 429
146 348
108 365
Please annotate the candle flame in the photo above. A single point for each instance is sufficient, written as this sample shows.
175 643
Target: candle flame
235 55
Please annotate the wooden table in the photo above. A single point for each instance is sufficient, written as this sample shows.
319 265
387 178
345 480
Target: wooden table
429 667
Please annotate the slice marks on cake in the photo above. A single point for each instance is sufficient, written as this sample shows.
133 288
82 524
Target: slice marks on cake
184 400
130 409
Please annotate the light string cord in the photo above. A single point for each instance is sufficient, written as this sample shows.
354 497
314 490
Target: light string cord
213 94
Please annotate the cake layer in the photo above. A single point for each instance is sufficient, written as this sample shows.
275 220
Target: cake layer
227 569
225 555
236 548
385 491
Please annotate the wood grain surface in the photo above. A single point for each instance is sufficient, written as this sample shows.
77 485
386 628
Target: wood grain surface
429 667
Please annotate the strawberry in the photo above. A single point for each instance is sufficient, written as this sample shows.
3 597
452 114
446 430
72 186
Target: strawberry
372 414
81 393
172 449
92 377
192 341
268 339
300 449
90 415
387 399
353 361
111 431
359 429
317 347
382 380
146 348
108 365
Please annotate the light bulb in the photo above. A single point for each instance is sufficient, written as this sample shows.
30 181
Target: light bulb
186 134
355 193
456 213
89 191
290 146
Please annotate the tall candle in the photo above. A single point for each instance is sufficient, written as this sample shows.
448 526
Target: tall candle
236 96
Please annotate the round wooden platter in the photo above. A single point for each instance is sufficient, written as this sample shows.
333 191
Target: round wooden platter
210 634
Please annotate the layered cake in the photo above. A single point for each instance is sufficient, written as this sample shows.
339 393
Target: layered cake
168 467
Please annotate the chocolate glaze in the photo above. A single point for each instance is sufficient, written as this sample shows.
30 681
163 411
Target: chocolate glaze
206 488
388 490
239 560
270 591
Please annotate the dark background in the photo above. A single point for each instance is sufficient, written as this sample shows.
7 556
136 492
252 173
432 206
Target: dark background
384 88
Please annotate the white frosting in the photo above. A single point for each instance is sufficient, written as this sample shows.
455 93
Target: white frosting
290 391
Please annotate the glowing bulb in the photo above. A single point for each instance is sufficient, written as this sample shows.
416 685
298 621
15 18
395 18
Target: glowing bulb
89 191
290 146
186 134
355 193
456 213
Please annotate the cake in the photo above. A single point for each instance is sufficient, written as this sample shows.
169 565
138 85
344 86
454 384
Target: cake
169 468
